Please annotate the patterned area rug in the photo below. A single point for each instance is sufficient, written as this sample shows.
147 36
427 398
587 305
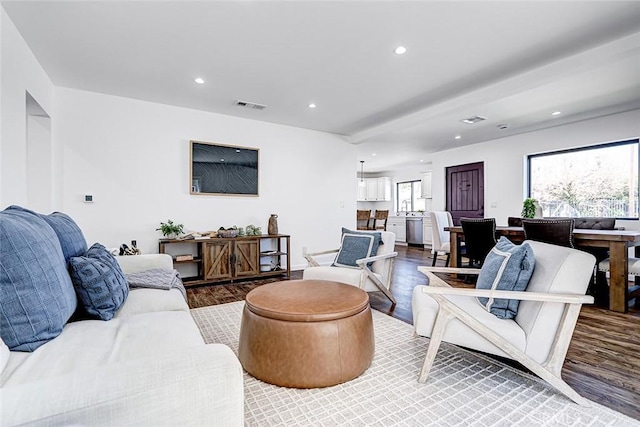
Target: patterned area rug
464 388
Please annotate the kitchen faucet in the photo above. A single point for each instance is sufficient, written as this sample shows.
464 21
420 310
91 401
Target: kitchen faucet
404 204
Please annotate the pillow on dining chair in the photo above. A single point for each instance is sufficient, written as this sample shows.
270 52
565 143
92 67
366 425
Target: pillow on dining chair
507 267
356 245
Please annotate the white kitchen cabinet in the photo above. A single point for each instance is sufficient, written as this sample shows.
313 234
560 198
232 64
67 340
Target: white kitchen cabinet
426 185
427 230
384 189
362 192
375 190
398 225
372 189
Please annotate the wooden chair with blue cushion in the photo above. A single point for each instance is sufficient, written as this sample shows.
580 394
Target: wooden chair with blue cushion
532 326
356 262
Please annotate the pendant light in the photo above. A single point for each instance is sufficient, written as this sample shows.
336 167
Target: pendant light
361 183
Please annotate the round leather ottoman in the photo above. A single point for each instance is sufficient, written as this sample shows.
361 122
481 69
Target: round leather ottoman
306 333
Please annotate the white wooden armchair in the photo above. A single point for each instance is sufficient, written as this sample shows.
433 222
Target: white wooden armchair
376 278
538 337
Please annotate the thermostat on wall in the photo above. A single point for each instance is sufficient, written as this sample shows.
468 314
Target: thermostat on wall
88 198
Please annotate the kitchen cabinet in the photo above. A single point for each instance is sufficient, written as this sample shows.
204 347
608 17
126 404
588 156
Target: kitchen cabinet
375 190
362 191
398 225
372 189
426 185
427 230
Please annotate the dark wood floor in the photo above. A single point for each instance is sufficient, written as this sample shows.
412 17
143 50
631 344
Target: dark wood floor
602 364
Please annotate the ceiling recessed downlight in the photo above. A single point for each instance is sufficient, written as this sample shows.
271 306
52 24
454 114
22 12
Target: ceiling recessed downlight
400 50
373 154
472 120
312 105
556 113
199 80
457 137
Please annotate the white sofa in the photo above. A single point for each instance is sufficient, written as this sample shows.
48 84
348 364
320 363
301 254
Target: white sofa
148 366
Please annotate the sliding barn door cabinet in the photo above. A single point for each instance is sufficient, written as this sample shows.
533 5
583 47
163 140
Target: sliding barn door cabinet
212 260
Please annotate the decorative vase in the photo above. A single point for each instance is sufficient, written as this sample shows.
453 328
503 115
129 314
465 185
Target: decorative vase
273 224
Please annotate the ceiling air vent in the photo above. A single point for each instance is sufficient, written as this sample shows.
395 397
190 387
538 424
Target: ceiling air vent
474 119
250 105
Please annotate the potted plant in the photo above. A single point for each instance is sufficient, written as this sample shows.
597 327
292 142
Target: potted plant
529 207
170 229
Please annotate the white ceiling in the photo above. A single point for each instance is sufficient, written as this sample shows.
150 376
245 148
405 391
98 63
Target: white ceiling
511 62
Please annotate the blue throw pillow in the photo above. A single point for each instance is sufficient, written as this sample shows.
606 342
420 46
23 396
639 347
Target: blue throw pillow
101 285
507 267
37 297
356 245
71 238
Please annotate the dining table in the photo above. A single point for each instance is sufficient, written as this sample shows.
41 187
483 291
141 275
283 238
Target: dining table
617 241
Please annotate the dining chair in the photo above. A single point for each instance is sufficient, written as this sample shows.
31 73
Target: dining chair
537 337
440 240
479 238
379 220
514 221
554 231
370 273
362 219
604 267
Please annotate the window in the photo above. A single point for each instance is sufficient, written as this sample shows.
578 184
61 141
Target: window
408 196
599 181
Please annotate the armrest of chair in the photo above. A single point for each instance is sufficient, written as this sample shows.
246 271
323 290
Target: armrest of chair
364 261
426 270
517 295
311 261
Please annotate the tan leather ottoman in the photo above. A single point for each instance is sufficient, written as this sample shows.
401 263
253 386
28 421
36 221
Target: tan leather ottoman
306 333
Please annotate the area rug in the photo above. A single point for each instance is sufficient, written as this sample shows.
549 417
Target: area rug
464 388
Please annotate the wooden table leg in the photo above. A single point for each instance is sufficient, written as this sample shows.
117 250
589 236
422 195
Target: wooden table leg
453 254
618 272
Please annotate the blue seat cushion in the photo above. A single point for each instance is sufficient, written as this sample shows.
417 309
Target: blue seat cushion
37 297
101 285
507 267
356 245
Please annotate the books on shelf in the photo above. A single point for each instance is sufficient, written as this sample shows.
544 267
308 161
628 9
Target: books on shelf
185 257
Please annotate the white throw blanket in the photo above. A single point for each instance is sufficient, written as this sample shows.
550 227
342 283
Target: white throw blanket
157 278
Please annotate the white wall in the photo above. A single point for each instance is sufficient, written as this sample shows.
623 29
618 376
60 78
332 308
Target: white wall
21 73
504 159
133 157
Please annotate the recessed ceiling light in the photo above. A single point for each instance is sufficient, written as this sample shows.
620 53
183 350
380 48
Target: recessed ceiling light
373 154
421 160
457 137
199 80
312 105
400 50
474 119
556 113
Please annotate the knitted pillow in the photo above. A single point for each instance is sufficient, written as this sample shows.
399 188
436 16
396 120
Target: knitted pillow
101 285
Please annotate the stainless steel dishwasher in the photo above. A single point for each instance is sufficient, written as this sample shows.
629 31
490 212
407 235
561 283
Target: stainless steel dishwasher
414 230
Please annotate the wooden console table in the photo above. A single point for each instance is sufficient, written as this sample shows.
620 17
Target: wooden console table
225 259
